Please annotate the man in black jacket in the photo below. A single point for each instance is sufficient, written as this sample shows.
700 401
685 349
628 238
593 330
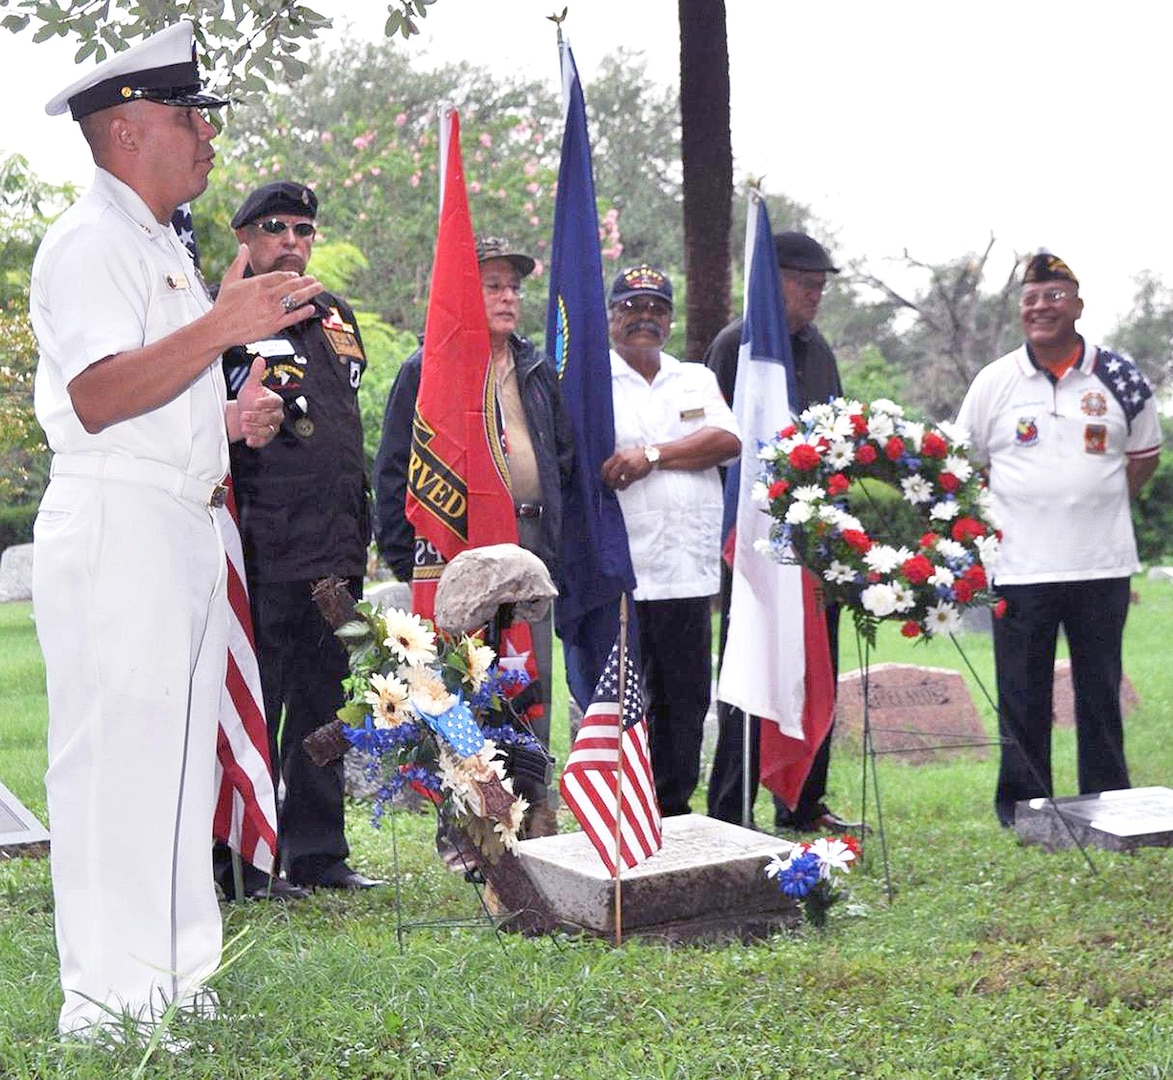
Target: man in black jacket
304 515
805 266
539 448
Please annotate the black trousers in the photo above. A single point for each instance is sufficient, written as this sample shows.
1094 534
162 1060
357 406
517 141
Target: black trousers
725 781
675 642
1092 614
302 667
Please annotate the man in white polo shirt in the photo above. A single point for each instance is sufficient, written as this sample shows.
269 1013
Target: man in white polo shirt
1070 433
672 430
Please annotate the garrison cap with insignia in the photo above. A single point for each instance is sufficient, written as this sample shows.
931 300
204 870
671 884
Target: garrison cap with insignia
160 68
278 197
642 280
1044 266
496 247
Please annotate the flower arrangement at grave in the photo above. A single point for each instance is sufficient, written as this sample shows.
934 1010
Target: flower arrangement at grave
430 712
807 873
922 558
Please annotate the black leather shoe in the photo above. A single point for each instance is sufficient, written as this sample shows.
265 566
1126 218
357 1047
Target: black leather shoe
824 820
339 876
258 886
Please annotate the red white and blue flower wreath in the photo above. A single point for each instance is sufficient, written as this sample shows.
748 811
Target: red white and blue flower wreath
925 576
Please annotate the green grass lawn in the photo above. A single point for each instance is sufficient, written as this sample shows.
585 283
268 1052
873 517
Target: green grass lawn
993 960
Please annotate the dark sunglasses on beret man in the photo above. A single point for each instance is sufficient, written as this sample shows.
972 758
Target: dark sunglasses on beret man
301 229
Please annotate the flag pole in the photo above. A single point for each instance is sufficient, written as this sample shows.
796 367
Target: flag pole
619 772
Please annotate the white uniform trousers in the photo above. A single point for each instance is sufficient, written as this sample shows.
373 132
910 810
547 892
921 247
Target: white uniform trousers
132 616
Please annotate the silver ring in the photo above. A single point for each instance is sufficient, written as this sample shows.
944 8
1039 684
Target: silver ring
623 478
288 304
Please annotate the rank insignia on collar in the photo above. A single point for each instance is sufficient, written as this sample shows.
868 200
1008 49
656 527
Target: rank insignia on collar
1026 431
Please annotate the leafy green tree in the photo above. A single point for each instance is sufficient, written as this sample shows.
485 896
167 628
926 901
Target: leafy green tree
1146 332
27 206
23 457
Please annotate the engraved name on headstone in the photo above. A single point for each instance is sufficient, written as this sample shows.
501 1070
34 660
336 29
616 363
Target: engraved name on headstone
918 712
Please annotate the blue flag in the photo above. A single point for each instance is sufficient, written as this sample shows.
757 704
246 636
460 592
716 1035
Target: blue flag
595 558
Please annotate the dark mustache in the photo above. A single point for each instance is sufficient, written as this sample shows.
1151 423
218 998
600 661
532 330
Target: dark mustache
650 325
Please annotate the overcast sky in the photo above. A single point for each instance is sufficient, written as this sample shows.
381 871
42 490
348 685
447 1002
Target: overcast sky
912 124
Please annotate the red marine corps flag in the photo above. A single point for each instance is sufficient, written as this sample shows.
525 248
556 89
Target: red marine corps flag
458 494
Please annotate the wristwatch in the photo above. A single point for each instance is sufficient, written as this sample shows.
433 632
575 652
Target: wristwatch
652 453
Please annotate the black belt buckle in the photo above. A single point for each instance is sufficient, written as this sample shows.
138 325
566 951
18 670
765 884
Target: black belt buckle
218 497
529 510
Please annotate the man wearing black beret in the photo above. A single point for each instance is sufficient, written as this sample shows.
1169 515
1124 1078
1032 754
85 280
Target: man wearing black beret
304 516
805 265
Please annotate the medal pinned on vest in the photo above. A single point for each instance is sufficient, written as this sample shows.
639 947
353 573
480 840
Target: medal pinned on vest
303 426
341 335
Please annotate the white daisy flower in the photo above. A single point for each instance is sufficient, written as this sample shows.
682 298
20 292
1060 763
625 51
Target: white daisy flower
989 550
879 599
799 513
881 427
479 658
912 432
945 510
882 559
840 454
942 618
905 596
428 692
833 854
954 434
958 466
849 521
942 575
950 549
760 493
808 493
768 452
839 573
408 639
886 406
389 696
851 407
820 413
916 490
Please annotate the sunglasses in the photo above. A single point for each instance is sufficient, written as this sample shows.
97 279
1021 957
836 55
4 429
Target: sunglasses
303 230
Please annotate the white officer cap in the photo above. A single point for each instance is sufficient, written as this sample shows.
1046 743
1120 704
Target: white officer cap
159 68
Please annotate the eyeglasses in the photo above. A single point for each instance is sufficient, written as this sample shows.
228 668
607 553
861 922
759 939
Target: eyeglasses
1044 296
653 305
806 280
500 288
303 230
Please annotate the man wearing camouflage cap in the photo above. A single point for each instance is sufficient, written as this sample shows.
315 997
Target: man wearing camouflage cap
1070 433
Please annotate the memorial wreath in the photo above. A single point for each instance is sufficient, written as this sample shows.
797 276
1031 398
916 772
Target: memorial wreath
923 556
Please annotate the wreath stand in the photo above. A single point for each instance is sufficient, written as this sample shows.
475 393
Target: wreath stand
869 775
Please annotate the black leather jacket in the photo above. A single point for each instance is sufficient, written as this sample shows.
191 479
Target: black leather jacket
549 430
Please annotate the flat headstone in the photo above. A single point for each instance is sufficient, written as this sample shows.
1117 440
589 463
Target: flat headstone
20 832
708 881
16 573
919 713
1063 696
1115 820
1160 573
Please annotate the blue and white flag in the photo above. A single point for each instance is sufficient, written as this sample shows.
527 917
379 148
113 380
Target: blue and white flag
763 670
596 562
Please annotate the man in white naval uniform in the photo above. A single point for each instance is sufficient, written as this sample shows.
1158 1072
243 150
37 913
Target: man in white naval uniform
129 579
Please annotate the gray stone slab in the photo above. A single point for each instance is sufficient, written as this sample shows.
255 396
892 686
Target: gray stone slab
919 713
1115 820
16 573
20 832
707 881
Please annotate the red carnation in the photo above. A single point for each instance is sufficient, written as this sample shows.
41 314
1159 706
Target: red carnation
929 539
910 629
778 488
837 484
917 570
866 454
874 576
894 448
966 528
999 609
858 541
859 425
976 576
804 457
962 590
948 481
788 432
933 446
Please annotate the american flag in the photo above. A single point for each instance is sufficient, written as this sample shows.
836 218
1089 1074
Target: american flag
246 803
601 753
